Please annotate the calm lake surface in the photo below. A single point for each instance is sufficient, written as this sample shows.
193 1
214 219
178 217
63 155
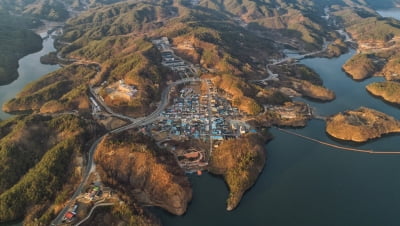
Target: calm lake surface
305 183
30 69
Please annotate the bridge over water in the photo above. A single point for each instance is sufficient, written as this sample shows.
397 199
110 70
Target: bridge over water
372 152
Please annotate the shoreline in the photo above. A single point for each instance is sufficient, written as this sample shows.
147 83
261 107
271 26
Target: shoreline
28 73
46 27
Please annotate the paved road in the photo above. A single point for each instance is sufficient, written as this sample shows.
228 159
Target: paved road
209 121
91 212
97 98
108 109
272 76
78 191
165 97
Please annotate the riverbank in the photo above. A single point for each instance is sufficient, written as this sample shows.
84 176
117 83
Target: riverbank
306 183
47 27
17 41
30 69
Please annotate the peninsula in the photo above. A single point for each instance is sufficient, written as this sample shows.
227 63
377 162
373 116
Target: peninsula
388 90
152 91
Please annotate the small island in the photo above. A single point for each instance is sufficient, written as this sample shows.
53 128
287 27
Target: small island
150 92
388 90
361 125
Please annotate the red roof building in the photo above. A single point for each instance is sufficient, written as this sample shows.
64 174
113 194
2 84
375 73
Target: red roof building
69 215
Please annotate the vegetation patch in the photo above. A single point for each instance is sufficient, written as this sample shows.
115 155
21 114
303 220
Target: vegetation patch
388 90
132 163
36 154
239 161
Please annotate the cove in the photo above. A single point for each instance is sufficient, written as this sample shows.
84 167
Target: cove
303 183
30 69
308 184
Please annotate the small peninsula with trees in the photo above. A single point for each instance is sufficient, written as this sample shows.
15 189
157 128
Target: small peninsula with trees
150 92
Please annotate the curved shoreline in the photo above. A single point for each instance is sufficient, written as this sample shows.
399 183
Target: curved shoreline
30 69
361 125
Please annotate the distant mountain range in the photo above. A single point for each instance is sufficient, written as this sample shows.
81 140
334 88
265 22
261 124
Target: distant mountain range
229 41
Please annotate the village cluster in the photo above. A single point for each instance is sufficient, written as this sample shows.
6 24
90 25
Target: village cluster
197 111
95 194
169 59
201 115
193 115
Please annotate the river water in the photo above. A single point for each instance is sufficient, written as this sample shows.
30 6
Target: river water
30 69
308 184
303 183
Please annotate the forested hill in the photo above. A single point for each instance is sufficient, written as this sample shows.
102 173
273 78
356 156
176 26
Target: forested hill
230 42
15 41
43 9
54 10
18 16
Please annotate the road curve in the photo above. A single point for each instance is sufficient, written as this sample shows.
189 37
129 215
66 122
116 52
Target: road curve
78 191
144 121
91 212
163 104
134 124
108 109
299 57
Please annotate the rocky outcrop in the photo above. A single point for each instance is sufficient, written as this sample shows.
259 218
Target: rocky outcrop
389 91
239 161
132 163
361 125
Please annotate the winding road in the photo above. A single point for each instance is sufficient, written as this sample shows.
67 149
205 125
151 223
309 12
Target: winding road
165 97
91 212
272 76
108 109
